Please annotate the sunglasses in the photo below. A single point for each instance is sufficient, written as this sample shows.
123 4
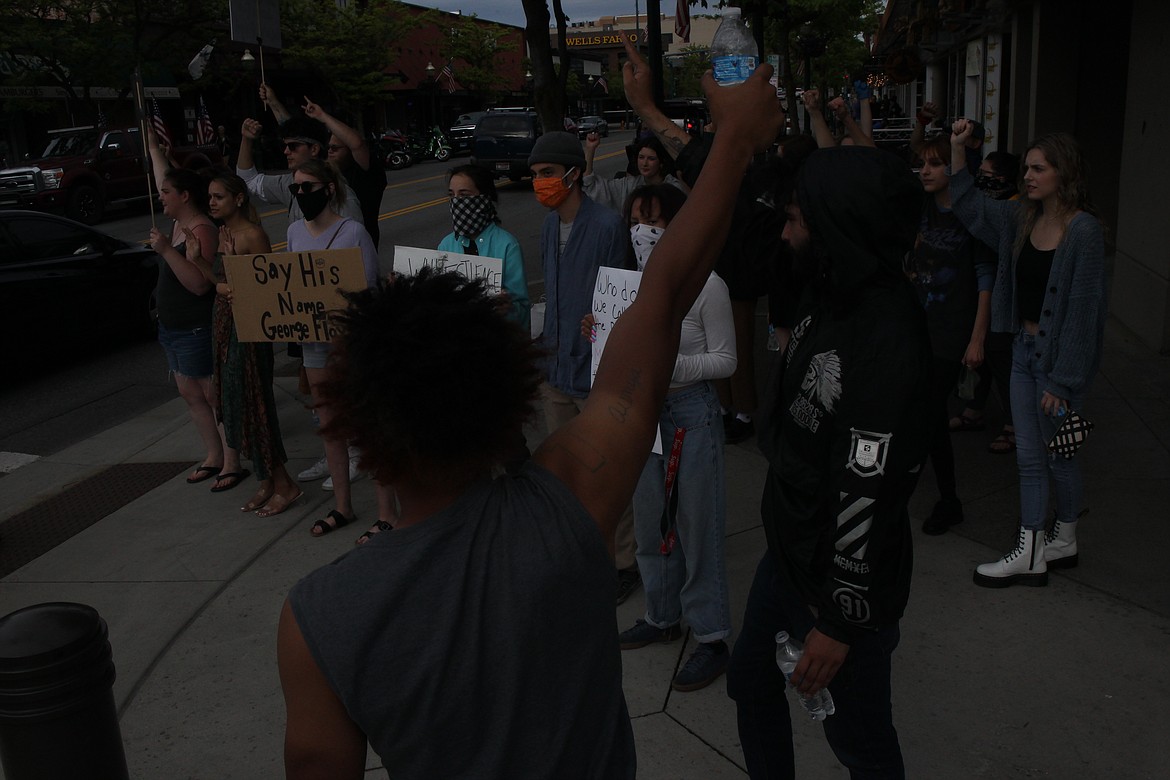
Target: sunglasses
335 147
292 146
305 187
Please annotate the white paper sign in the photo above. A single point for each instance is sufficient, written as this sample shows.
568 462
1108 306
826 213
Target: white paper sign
614 291
409 260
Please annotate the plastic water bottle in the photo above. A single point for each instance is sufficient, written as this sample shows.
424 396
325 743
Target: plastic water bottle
788 652
734 54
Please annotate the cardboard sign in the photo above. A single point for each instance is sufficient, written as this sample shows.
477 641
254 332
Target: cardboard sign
408 260
614 291
287 296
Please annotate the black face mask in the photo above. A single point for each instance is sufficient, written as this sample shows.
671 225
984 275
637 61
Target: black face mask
313 203
994 186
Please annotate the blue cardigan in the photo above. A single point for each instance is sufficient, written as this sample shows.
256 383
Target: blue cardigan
1072 319
494 241
597 238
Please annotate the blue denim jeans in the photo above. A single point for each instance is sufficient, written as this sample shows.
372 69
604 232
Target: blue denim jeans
691 582
861 732
1034 430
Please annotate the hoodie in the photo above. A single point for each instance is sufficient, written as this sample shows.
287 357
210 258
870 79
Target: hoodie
845 428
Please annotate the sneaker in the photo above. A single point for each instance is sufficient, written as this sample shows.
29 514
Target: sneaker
947 512
739 430
628 582
354 471
643 634
316 471
703 667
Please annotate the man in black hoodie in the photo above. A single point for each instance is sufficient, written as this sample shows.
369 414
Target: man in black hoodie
845 435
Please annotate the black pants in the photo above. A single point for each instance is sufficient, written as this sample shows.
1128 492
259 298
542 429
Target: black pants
861 732
942 457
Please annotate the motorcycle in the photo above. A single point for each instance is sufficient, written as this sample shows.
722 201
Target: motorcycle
395 149
434 146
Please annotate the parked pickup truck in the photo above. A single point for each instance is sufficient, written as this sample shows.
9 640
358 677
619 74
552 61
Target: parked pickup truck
84 169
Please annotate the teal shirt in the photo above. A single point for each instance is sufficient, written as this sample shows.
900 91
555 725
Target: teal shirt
494 241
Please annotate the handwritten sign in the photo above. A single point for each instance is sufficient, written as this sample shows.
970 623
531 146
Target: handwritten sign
409 260
615 290
287 296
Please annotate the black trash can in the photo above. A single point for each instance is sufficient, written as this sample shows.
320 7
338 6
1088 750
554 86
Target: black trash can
57 714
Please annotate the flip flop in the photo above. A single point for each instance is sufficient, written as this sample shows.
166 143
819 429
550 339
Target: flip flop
278 504
257 501
323 526
1004 444
204 473
236 478
373 531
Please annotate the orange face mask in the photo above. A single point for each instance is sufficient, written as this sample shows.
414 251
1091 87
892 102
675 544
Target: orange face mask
551 192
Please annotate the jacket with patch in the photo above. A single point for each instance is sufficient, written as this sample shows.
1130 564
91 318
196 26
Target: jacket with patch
846 429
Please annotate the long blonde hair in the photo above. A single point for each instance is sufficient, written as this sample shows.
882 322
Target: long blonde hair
1063 153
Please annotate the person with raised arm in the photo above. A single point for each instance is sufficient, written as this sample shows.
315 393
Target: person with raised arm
518 673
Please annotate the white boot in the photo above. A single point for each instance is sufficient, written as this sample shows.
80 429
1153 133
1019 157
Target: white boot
1024 564
1060 546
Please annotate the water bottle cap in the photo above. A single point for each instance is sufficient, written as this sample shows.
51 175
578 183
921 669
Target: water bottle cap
731 11
781 637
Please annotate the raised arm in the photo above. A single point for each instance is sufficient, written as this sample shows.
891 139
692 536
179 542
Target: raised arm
249 132
927 114
816 117
159 163
841 109
600 453
638 83
268 98
358 148
985 218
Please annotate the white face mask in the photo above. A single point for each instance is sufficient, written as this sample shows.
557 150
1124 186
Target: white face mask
645 238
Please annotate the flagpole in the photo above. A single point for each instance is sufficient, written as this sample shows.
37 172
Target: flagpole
140 104
260 44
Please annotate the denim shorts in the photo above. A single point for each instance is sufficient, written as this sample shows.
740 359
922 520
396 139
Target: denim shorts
315 354
189 352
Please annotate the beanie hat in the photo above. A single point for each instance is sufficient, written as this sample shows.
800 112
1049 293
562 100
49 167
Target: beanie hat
558 147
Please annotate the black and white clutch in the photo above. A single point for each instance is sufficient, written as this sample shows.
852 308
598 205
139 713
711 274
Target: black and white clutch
1070 435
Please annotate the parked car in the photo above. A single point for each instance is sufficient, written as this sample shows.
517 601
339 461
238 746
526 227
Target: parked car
462 133
84 169
570 125
592 124
60 279
503 141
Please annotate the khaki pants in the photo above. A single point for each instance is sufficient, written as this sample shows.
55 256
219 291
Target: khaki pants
559 408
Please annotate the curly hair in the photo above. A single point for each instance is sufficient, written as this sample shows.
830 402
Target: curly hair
670 201
429 379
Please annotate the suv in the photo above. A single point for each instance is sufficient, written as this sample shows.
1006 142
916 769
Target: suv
503 141
462 133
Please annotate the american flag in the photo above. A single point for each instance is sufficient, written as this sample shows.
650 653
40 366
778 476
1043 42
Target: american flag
204 132
601 82
446 73
156 122
682 20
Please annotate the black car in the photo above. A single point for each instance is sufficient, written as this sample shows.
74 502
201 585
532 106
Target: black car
61 282
462 133
503 141
592 124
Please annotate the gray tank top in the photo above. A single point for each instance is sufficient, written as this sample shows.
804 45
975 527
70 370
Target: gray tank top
481 642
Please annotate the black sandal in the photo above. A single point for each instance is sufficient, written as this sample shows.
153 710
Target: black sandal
323 526
373 531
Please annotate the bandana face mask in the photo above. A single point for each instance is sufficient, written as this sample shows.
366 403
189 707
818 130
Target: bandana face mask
551 192
470 214
993 185
644 238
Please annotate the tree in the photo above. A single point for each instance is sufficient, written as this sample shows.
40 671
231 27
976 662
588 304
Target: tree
688 71
347 46
548 84
81 44
473 45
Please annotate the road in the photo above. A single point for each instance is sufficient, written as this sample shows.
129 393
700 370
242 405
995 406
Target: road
84 394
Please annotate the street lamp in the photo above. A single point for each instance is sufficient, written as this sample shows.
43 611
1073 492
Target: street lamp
430 69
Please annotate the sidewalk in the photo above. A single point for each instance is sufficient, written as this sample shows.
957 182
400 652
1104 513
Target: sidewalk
1059 682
